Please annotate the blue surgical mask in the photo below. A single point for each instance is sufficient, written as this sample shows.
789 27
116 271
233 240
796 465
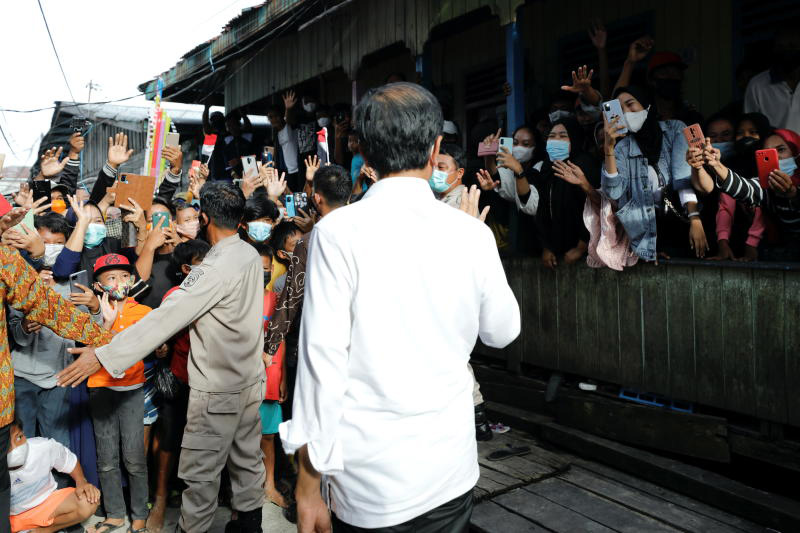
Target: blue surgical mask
95 234
259 231
557 150
789 166
726 149
438 181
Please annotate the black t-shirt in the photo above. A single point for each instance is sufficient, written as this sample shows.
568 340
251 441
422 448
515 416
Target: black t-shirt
159 281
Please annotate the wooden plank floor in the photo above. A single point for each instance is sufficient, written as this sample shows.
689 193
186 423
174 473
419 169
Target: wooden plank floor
557 492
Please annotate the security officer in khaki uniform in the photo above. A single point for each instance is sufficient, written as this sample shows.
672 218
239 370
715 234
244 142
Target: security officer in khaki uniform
222 300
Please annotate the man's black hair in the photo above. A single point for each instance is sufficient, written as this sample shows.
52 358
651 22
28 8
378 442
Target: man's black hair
333 182
397 125
260 206
399 75
54 223
281 233
456 152
184 254
264 249
160 200
223 204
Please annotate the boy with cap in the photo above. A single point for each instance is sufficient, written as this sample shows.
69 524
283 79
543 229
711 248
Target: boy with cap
117 404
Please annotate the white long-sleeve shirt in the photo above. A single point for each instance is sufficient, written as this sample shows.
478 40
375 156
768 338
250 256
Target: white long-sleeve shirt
398 288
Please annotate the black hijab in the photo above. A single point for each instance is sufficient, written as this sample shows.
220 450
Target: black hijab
650 136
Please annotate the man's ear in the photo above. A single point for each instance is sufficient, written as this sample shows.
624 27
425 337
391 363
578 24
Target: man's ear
186 269
460 174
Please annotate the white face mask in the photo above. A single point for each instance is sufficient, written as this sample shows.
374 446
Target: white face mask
51 252
324 122
18 456
522 154
635 119
310 107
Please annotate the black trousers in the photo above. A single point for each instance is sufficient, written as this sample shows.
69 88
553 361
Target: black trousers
5 482
451 517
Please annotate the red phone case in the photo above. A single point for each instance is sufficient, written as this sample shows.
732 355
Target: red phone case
694 135
767 161
5 207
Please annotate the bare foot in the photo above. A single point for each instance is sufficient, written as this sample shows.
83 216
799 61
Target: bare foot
275 497
155 521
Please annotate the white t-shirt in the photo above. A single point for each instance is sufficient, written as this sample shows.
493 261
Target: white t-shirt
288 141
33 482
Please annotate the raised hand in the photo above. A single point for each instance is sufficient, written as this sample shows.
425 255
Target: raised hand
174 155
86 297
598 34
50 164
202 172
613 133
250 182
82 211
639 48
581 81
303 221
506 160
570 172
695 158
136 214
485 180
39 206
276 186
493 138
470 203
289 99
109 309
781 183
24 197
312 165
25 238
118 151
12 218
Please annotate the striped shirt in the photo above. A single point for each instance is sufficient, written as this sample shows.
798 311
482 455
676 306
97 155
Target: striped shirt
749 190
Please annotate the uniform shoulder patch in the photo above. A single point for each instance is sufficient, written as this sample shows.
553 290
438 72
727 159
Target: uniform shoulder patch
192 278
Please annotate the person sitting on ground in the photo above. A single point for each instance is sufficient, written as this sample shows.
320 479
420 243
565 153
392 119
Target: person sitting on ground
36 502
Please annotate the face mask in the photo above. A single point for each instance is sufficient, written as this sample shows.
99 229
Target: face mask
725 149
95 234
118 292
310 107
788 165
267 278
669 89
324 122
635 119
557 150
259 231
746 145
559 114
522 154
18 456
438 181
51 252
189 229
58 206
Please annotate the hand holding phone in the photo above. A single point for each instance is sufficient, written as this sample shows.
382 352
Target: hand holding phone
612 109
766 161
78 278
291 211
507 143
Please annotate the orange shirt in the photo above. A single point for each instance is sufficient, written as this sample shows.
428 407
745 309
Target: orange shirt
130 314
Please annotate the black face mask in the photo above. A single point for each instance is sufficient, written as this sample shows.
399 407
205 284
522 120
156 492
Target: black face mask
746 145
267 278
669 89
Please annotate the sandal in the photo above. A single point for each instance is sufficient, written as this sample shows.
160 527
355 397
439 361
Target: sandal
499 455
142 530
109 527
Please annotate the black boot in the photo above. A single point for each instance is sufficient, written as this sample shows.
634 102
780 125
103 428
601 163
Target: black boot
482 429
250 521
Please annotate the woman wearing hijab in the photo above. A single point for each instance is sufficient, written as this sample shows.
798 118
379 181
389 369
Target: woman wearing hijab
559 219
645 172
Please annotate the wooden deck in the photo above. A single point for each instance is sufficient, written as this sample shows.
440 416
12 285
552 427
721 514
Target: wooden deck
553 491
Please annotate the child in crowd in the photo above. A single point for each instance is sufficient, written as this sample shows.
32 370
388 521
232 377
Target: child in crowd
117 404
36 502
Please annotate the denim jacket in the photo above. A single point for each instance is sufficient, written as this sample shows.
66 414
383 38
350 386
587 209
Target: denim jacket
630 187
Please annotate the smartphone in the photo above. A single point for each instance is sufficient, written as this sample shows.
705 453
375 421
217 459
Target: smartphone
300 201
289 203
488 149
248 164
160 220
612 109
694 136
766 161
5 206
41 188
81 277
506 142
79 124
173 139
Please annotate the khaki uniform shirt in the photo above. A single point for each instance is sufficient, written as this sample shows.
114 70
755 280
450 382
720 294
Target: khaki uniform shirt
222 300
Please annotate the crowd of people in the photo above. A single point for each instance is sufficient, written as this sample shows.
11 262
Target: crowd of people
204 291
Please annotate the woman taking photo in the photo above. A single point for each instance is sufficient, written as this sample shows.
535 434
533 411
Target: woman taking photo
645 172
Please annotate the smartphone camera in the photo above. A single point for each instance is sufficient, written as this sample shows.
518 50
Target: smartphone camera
79 124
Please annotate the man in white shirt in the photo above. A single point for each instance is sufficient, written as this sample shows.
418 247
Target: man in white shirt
383 400
286 150
776 92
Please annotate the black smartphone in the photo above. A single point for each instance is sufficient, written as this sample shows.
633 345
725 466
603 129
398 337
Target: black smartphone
79 124
41 189
81 277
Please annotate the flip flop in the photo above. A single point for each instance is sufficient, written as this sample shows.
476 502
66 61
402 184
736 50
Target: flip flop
511 451
109 527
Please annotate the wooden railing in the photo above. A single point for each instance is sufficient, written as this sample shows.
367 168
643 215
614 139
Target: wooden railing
725 335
